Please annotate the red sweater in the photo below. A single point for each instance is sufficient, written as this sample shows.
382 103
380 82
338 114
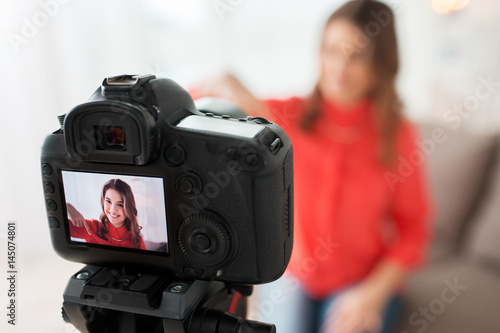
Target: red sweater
351 212
122 236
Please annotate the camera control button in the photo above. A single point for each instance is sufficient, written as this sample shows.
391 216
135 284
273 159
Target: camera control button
46 169
260 120
48 187
175 155
209 114
189 184
186 185
202 243
233 153
204 240
51 205
252 159
54 223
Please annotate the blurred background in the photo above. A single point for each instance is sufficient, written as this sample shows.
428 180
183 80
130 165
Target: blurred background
55 53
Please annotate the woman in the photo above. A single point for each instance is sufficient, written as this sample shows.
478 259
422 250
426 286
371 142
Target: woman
360 224
117 225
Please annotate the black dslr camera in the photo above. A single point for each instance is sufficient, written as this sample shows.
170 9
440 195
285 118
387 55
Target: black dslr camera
139 178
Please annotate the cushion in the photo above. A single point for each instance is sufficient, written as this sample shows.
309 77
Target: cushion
483 241
451 296
457 163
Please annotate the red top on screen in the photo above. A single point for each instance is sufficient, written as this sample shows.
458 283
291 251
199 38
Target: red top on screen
120 237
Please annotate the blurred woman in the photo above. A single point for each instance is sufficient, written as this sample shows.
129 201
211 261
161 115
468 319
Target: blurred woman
361 202
117 225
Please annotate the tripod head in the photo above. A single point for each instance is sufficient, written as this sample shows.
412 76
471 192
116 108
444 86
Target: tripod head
112 300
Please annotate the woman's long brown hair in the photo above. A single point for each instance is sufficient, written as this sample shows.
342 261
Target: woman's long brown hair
366 15
129 206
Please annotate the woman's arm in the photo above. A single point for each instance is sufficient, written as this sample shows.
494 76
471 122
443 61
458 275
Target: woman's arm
411 203
385 280
76 218
229 87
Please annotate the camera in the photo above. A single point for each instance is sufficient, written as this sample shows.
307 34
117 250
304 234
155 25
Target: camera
139 177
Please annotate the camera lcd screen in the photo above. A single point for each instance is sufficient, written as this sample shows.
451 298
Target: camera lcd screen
119 211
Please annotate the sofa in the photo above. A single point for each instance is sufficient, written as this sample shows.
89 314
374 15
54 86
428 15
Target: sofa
458 289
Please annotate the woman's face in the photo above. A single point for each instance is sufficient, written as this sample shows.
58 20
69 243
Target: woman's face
113 208
346 68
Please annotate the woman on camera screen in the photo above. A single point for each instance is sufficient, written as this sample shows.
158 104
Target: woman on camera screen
361 205
117 225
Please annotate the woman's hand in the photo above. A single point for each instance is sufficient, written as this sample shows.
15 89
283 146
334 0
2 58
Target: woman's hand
229 87
77 218
359 309
224 86
356 310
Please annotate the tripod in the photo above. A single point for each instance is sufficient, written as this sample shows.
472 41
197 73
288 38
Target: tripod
122 300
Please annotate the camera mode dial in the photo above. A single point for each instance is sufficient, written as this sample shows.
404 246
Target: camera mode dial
204 240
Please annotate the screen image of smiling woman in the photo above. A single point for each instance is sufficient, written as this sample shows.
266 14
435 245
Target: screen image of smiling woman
117 225
113 208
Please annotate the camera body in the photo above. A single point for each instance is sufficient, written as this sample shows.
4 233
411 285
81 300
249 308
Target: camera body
222 200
